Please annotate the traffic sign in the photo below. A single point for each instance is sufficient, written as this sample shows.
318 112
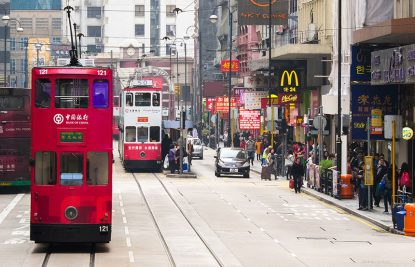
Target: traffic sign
318 121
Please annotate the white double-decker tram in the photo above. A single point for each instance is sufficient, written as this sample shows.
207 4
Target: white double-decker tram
141 124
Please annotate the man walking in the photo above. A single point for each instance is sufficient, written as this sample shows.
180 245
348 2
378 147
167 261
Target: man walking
250 149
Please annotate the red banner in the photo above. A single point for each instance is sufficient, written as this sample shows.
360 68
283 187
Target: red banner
284 99
249 119
222 104
225 65
210 101
265 102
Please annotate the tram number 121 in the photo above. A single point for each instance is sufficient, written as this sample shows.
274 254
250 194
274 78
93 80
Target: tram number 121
103 228
102 72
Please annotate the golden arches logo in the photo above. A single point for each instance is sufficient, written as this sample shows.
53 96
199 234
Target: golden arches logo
255 2
289 78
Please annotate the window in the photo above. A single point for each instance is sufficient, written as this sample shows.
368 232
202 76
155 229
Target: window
45 168
139 10
11 103
171 30
94 12
42 93
56 23
129 100
130 134
13 44
26 23
13 66
71 93
94 31
42 23
139 29
23 65
169 11
154 134
56 40
24 41
100 94
142 99
93 48
72 168
142 134
156 99
97 168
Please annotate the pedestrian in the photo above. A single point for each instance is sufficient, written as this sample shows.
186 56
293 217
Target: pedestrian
272 162
265 154
297 173
242 142
387 193
404 177
381 170
250 149
258 145
189 152
172 159
289 161
359 177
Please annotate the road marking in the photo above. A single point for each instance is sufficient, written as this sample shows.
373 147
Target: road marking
276 241
128 241
121 204
124 220
123 212
131 256
292 254
127 232
10 207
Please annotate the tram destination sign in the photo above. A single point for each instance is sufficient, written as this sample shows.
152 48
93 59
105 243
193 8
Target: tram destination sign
71 137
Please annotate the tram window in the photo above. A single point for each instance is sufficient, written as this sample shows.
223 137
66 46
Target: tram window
129 99
130 134
11 103
45 168
100 94
142 99
156 99
42 93
71 168
142 134
154 134
97 168
71 93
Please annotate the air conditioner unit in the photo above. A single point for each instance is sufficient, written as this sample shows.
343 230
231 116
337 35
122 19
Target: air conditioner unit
98 40
312 32
87 62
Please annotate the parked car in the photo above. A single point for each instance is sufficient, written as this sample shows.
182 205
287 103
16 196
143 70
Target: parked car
231 161
197 147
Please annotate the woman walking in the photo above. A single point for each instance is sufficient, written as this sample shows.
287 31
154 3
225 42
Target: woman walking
297 172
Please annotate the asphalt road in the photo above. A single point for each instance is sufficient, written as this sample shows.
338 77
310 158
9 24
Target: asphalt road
209 221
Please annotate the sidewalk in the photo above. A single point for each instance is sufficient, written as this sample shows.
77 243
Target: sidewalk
376 216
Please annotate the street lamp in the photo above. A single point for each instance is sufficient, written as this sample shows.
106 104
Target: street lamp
213 18
6 19
38 47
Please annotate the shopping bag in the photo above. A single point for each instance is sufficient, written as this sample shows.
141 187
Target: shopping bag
166 162
291 184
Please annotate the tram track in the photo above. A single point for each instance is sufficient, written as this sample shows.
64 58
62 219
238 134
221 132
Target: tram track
56 249
183 214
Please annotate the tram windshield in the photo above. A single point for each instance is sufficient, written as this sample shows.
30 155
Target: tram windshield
100 94
45 168
97 168
142 134
71 168
130 134
42 93
142 99
154 134
71 93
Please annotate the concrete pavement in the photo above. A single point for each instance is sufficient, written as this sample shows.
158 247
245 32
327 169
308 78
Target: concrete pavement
375 216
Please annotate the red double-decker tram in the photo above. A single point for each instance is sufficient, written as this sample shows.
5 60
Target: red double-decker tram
141 124
71 189
15 134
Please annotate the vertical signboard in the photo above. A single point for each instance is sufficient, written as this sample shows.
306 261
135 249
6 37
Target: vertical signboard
249 119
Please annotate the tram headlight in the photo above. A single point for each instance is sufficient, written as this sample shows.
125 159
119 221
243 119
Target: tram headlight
142 154
71 213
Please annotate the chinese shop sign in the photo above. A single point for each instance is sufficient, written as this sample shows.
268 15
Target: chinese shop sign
249 119
227 65
252 100
222 104
210 101
372 102
265 101
361 66
256 12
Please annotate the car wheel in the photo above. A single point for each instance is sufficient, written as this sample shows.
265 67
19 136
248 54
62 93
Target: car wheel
201 157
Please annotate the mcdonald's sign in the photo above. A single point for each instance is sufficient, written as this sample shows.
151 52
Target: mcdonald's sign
289 81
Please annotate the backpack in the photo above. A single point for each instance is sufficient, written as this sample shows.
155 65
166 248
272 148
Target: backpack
405 180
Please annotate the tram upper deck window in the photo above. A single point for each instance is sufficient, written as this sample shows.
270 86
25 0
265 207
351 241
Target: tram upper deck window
142 134
100 94
71 93
156 99
45 168
155 134
97 168
129 100
142 99
130 134
71 168
11 103
42 93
